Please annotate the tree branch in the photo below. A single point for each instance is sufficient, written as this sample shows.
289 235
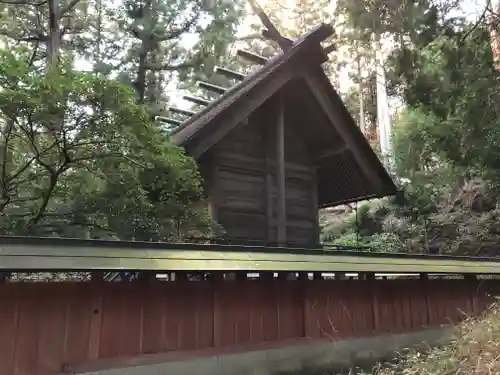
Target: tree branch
174 34
21 2
69 7
169 67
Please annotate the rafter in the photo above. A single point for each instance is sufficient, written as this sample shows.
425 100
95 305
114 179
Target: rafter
252 57
169 120
211 87
229 73
196 100
182 111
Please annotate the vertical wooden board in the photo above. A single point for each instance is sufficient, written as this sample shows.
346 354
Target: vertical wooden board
463 295
416 302
130 318
9 302
242 313
96 296
441 302
417 305
407 312
252 311
310 330
310 309
369 307
353 305
381 313
52 309
365 307
293 317
397 294
321 303
348 308
188 314
438 302
387 317
226 325
79 312
452 304
170 315
217 310
329 315
152 319
111 335
206 316
27 334
470 303
269 299
431 294
361 306
445 304
284 307
297 315
338 308
256 313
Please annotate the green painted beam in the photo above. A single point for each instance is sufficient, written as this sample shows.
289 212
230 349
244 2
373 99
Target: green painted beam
65 254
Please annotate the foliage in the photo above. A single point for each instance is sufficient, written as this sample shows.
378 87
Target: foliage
473 349
445 140
80 157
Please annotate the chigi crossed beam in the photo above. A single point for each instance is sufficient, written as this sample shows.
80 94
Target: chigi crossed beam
270 32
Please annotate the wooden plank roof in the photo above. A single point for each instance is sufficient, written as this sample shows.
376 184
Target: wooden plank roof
55 254
348 171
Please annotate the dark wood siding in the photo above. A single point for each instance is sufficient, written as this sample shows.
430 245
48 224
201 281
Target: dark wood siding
245 191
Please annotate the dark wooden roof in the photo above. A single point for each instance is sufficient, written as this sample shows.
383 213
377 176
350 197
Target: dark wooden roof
348 168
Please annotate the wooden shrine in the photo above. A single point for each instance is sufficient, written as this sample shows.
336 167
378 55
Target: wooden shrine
278 146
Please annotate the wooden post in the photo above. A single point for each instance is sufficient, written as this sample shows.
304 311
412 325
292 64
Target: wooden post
268 138
340 276
218 279
280 170
213 189
95 308
426 287
314 207
471 279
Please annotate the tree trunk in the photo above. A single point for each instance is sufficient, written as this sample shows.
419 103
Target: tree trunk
362 125
54 37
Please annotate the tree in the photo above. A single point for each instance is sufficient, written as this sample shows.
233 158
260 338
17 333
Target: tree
105 167
158 50
45 26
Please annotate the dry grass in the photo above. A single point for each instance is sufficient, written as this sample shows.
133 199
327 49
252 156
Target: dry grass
475 349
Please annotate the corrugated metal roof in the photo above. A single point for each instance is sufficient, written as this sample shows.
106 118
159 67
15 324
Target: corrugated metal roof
38 254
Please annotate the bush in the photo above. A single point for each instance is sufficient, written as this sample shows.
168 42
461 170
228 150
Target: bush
474 349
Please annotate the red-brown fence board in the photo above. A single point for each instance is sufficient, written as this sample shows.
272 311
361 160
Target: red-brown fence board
47 325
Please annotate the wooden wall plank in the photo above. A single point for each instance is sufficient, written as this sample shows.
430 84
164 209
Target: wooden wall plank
78 320
26 356
9 317
46 326
52 310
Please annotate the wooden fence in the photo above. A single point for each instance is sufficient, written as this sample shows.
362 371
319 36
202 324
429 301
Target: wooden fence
46 326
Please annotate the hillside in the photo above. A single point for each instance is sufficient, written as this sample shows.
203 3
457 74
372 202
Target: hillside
475 349
459 217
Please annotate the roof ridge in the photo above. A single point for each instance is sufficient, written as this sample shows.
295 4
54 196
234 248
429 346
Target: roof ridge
322 31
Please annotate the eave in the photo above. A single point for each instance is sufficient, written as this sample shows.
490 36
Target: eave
48 254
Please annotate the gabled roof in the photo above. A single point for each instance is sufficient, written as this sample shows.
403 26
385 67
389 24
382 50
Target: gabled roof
348 169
